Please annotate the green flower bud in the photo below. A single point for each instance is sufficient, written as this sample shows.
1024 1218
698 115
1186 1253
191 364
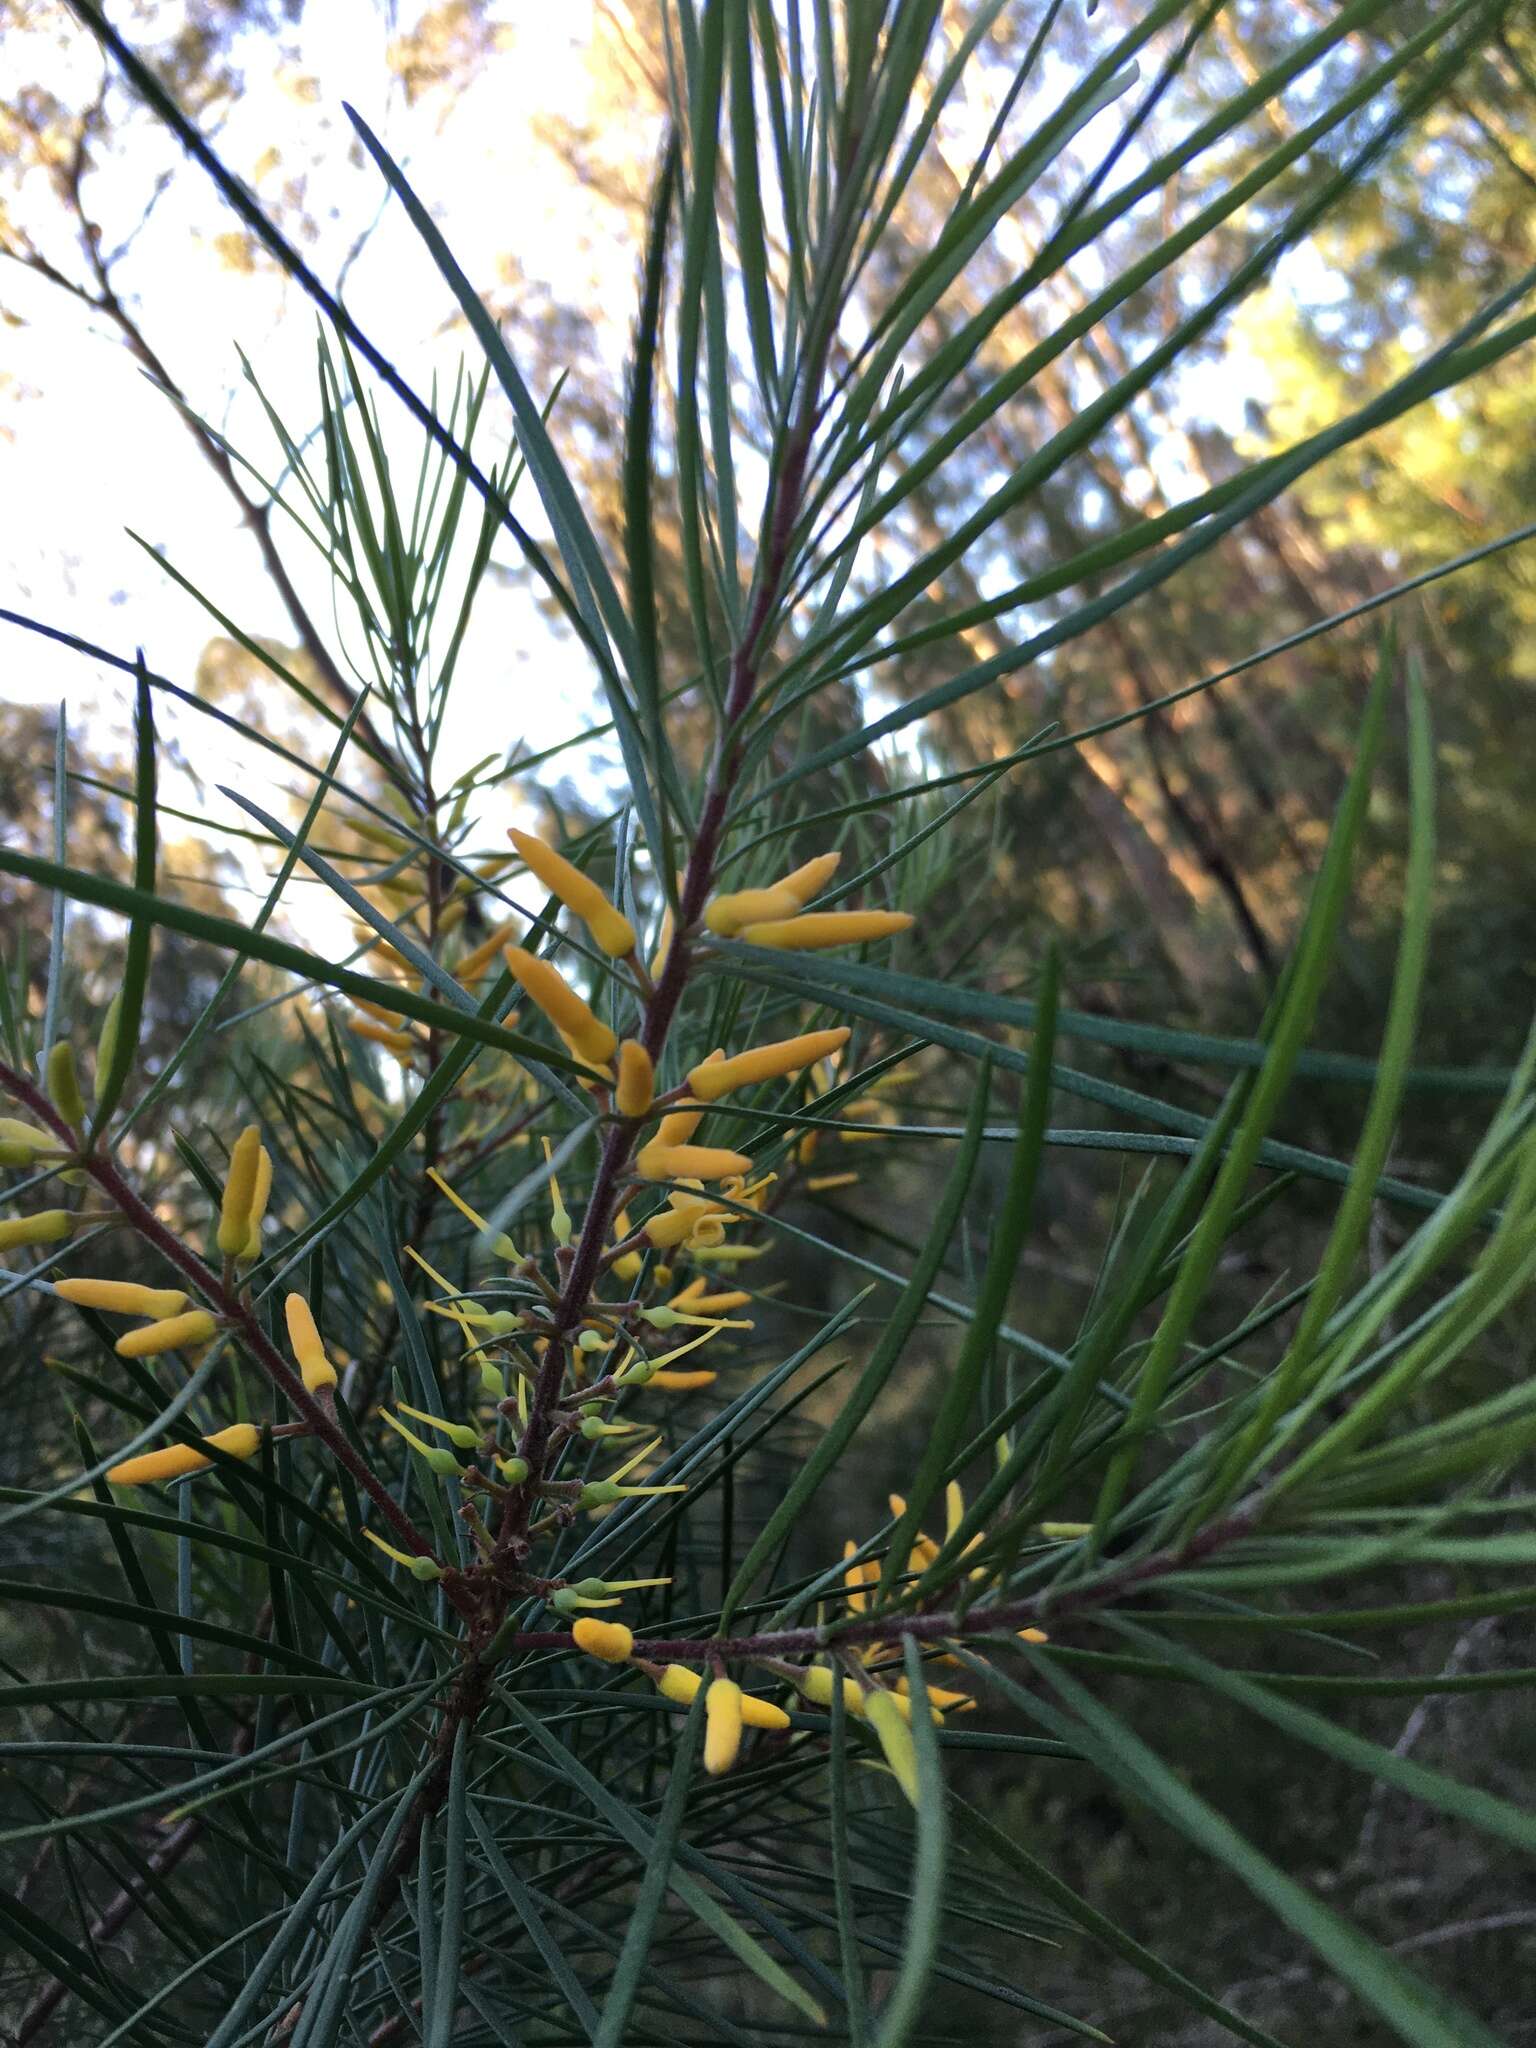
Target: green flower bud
591 1340
501 1322
64 1083
492 1380
106 1044
662 1318
513 1470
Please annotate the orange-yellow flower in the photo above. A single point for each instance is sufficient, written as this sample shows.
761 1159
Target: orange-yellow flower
816 930
578 892
726 915
722 1725
657 1161
715 1078
316 1369
173 1333
122 1297
239 1191
610 1640
636 1079
586 1035
240 1440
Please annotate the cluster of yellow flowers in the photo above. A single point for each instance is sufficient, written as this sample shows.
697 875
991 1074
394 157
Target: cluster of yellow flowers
705 1190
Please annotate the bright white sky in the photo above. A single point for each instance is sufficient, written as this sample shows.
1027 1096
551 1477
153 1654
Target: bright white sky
89 449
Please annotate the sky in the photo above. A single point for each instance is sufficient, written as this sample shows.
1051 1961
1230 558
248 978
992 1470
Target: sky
91 452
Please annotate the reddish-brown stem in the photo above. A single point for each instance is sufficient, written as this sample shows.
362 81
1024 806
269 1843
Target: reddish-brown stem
227 1304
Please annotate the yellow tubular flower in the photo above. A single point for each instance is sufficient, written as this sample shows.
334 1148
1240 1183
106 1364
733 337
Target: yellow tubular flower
757 1713
239 1190
588 1037
64 1083
44 1226
610 1640
816 1683
106 1044
678 1683
578 892
663 943
939 1697
122 1297
722 1725
816 930
172 1333
672 1226
701 1304
377 1011
380 1034
637 1079
681 1382
824 1183
474 964
240 1440
657 1161
260 1195
765 1062
14 1132
884 1713
316 1368
727 914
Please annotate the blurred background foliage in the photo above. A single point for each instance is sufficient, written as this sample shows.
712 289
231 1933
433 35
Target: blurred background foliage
1169 856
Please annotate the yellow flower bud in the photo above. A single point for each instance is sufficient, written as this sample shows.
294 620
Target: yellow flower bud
239 1192
816 1682
756 1713
578 892
676 1225
391 1018
814 931
587 1036
637 1079
173 1333
657 1161
473 965
43 1226
260 1195
240 1440
64 1083
727 914
402 1042
681 1382
765 1062
122 1297
663 943
316 1368
610 1640
678 1683
14 1132
701 1304
722 1725
883 1710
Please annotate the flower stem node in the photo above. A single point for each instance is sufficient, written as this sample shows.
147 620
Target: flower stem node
44 1226
172 1333
121 1297
175 1461
609 1640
